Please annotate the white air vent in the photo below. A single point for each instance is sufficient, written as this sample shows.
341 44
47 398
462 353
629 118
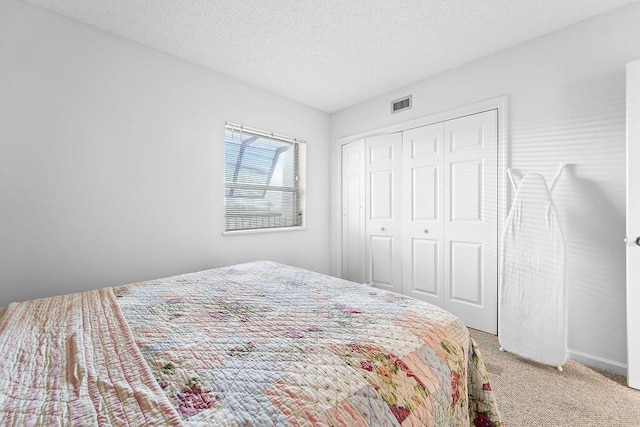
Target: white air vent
401 104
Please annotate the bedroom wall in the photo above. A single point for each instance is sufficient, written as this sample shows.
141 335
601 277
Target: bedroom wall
567 104
111 161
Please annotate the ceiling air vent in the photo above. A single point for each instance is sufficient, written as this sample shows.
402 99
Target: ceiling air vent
401 104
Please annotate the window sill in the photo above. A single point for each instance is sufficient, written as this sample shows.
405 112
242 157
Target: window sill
264 230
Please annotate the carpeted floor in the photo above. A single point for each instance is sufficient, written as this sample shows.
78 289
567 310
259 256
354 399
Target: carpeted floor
531 394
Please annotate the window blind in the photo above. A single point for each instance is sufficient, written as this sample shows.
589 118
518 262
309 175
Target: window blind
262 180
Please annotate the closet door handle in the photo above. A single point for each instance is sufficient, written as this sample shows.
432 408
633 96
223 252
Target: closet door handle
382 229
637 241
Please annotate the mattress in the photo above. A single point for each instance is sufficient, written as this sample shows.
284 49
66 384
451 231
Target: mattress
257 344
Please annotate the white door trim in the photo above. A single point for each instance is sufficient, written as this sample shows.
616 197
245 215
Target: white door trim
633 222
500 103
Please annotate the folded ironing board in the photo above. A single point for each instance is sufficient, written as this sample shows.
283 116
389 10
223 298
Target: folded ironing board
532 303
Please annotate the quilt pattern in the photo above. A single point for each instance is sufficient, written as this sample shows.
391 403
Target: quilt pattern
264 344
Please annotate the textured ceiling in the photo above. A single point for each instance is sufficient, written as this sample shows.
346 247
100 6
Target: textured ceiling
330 54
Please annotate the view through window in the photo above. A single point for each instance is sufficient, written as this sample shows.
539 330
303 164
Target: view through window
263 185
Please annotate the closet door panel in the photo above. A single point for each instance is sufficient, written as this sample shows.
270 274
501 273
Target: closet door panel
466 272
354 233
381 195
471 229
466 191
353 219
383 211
382 255
425 268
424 193
423 213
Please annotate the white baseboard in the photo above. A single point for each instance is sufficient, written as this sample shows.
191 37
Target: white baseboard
598 362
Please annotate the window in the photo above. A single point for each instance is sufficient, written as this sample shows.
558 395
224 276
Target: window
264 185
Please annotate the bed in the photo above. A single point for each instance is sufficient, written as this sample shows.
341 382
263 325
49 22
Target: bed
256 344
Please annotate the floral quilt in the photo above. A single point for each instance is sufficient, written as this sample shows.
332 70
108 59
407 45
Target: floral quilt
264 344
70 360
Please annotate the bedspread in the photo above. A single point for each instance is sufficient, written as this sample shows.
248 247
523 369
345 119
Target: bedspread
71 361
266 344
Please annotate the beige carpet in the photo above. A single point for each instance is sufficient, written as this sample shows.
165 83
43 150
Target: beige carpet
530 394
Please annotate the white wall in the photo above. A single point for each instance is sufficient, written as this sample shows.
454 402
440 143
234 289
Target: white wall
567 104
111 161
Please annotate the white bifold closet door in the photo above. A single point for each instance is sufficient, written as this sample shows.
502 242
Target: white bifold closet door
353 201
383 183
429 224
449 220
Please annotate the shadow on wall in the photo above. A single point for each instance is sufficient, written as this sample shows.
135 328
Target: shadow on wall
582 122
593 226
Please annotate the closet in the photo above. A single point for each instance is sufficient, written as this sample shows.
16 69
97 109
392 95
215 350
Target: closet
429 227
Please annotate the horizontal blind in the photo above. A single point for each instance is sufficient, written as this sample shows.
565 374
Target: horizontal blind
261 180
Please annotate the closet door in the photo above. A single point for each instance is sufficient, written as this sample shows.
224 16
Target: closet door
383 157
353 219
423 213
470 211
